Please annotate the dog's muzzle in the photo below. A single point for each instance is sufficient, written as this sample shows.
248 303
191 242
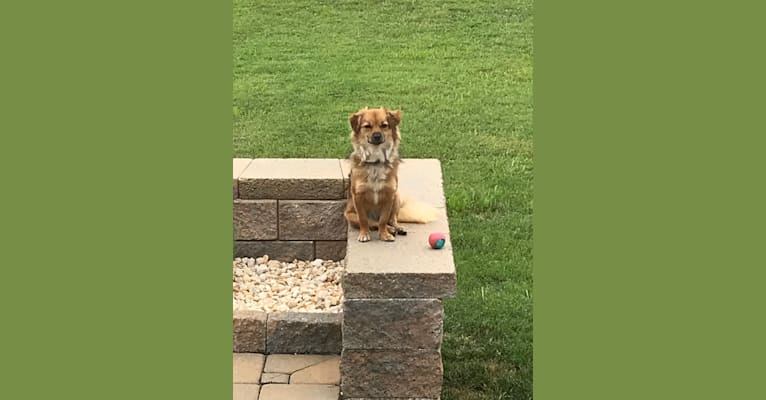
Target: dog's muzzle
376 138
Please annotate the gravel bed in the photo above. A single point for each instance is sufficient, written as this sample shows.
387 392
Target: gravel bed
274 286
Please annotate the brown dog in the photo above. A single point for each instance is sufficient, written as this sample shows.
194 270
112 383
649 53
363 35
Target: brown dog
374 199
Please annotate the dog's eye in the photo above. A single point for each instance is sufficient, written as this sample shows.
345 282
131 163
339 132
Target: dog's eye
384 126
366 126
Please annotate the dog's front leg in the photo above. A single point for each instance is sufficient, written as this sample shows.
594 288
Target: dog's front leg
361 213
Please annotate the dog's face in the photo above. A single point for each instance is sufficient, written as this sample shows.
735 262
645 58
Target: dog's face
375 132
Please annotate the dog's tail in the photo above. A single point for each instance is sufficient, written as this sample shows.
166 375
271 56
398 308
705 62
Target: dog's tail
416 211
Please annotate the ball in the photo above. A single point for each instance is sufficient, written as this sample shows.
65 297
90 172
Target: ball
436 240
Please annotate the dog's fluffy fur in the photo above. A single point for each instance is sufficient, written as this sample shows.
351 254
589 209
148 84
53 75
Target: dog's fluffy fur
374 199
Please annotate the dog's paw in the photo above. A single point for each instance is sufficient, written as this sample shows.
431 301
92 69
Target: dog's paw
395 230
364 237
385 236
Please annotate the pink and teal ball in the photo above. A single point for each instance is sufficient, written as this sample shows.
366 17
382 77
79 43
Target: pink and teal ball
436 240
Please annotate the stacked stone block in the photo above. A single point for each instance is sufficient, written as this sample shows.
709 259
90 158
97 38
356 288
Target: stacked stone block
393 313
289 208
287 332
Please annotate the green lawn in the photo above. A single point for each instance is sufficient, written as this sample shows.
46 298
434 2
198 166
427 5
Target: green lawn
461 72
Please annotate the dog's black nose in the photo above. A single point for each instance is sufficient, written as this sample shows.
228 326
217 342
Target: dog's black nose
377 137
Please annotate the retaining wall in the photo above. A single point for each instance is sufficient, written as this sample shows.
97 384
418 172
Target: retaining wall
393 313
289 209
392 320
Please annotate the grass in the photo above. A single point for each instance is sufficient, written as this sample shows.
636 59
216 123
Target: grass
461 72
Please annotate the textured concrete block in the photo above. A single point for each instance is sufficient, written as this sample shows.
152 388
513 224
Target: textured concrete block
398 285
249 331
255 219
392 324
303 333
312 220
381 373
276 250
330 250
290 179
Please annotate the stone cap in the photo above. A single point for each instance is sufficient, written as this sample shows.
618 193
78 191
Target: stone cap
292 179
418 177
408 267
239 165
421 179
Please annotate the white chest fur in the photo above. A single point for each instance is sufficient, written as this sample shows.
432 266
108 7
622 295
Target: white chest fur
376 180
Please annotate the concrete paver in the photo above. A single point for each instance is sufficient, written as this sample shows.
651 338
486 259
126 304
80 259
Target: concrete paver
275 377
248 367
299 392
324 373
286 377
288 363
246 391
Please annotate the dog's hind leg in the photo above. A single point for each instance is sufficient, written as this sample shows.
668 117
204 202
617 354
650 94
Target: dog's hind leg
353 219
385 219
394 222
351 216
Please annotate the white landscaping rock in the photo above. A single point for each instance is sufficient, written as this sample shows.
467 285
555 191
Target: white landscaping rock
268 285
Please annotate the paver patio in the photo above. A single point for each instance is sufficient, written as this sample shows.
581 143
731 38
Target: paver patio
286 377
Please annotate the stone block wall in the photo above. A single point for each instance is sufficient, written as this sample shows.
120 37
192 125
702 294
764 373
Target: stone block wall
393 313
289 209
287 332
392 320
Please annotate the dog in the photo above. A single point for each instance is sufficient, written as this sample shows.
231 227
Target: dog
374 201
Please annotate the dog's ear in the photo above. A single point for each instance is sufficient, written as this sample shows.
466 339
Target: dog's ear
354 120
394 116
